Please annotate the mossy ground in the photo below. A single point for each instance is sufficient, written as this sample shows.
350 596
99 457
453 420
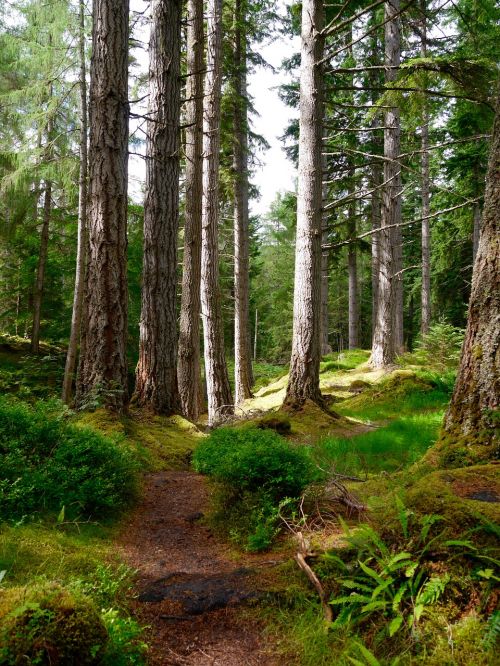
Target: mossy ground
160 442
387 423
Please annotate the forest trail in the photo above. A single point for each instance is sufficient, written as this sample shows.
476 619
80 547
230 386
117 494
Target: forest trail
188 585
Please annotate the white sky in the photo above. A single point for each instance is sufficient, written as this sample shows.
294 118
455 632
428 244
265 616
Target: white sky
276 173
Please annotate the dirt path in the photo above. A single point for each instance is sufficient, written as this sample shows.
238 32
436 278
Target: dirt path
189 587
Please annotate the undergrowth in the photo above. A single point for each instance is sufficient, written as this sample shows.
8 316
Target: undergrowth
50 466
386 449
255 471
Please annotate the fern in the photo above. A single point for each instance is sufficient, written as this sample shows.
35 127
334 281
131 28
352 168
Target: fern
492 634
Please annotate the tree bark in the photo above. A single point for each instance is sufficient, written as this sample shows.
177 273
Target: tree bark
76 317
476 232
40 273
303 383
325 346
188 370
352 270
387 338
472 417
375 182
103 363
426 239
220 400
242 344
156 373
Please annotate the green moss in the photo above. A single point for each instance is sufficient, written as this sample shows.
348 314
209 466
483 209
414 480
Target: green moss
477 352
453 494
161 442
457 644
49 625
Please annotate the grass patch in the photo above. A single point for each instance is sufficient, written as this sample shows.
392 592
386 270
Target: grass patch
266 373
347 360
403 393
386 449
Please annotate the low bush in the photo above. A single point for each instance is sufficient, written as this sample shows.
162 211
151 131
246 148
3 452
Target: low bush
255 470
49 465
255 460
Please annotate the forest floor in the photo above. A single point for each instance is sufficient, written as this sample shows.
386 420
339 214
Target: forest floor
200 596
189 584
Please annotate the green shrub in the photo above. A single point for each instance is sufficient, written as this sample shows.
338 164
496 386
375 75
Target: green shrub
48 464
125 646
439 348
48 625
254 460
255 470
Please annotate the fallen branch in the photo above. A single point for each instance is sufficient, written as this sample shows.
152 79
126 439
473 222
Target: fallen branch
300 558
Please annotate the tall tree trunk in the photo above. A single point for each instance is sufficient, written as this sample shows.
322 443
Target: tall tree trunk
103 363
242 344
352 271
303 383
375 181
76 317
472 417
40 272
156 373
220 401
387 338
426 239
325 347
188 370
352 259
476 232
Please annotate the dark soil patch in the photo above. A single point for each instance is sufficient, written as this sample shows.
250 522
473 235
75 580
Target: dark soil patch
189 586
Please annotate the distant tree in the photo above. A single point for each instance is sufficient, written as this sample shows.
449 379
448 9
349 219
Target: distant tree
242 347
81 252
188 371
388 333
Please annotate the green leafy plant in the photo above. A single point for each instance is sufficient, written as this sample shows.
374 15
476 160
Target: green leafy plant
49 465
491 636
255 460
391 583
254 471
439 348
125 646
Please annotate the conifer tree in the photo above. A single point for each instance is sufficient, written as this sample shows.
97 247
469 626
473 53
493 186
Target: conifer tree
156 374
103 361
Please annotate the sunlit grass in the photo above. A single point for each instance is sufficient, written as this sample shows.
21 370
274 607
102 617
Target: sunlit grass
391 447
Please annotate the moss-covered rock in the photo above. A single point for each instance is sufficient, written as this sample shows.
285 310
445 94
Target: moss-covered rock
277 421
49 625
359 385
461 496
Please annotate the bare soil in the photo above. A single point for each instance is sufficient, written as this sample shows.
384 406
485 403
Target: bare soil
189 587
